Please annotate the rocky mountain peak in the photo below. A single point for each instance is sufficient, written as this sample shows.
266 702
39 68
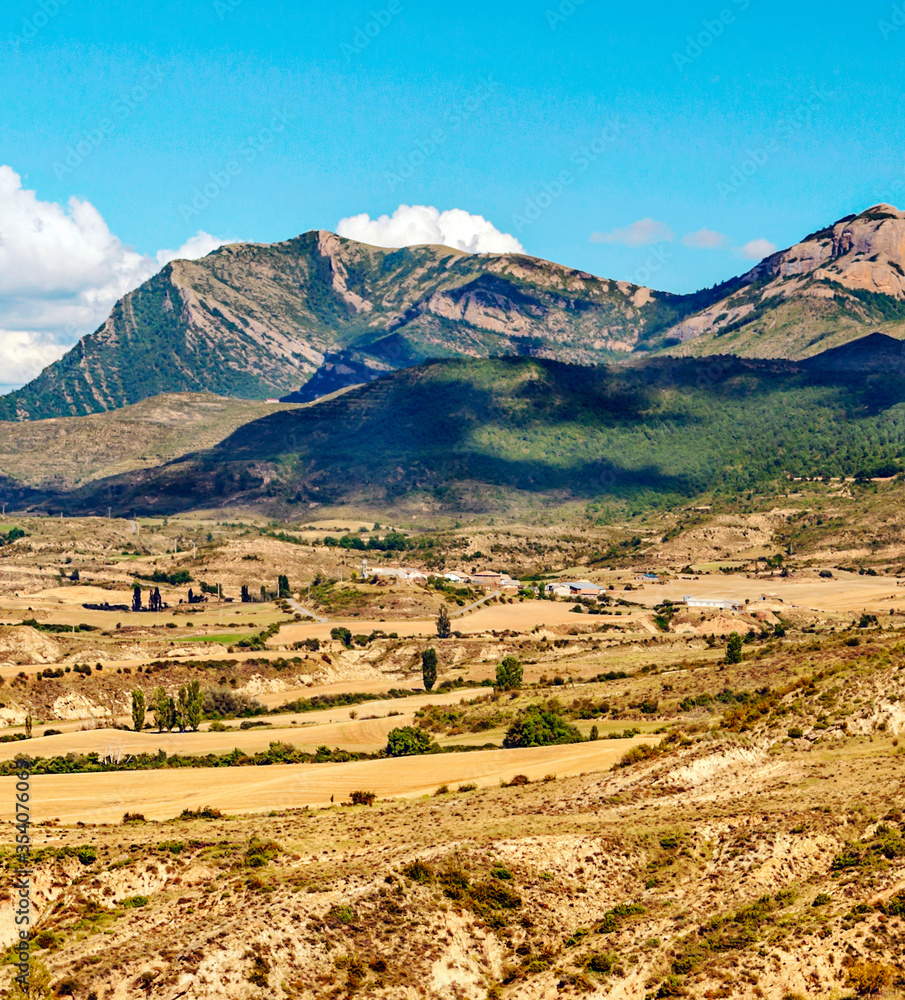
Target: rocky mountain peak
865 251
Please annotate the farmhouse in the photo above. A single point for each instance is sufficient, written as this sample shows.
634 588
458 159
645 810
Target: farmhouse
398 572
719 604
576 588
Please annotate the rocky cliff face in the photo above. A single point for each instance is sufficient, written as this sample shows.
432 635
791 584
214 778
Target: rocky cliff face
830 288
864 251
256 321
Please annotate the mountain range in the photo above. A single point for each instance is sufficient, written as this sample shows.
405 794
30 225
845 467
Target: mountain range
258 321
306 317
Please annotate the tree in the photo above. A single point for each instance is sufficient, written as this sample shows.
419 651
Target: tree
160 709
75 576
155 601
136 598
138 710
734 649
283 586
191 706
429 668
407 741
509 674
263 592
536 727
246 597
444 630
173 718
343 634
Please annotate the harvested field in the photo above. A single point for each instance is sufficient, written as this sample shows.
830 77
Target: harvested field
105 797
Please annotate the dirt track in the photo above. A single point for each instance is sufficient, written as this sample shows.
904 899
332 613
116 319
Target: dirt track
105 797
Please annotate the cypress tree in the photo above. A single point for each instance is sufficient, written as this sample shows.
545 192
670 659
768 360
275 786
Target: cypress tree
429 668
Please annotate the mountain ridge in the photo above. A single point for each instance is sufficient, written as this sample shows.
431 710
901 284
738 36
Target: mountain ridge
308 316
257 320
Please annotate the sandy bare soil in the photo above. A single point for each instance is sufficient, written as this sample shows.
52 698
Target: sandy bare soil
105 797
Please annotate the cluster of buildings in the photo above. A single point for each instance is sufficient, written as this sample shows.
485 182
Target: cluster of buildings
488 579
492 580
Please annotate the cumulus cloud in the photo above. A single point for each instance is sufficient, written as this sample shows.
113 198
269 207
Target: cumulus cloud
706 239
757 249
199 245
61 271
642 233
416 225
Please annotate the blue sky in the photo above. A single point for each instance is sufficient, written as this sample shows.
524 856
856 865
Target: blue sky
753 121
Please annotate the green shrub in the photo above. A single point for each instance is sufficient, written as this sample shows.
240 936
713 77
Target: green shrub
407 741
601 963
419 871
208 812
538 727
340 915
260 852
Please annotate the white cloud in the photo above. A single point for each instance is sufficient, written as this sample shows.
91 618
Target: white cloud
416 225
642 233
61 271
706 239
23 353
757 249
200 245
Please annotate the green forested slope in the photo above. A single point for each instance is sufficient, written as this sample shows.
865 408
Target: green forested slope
462 434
